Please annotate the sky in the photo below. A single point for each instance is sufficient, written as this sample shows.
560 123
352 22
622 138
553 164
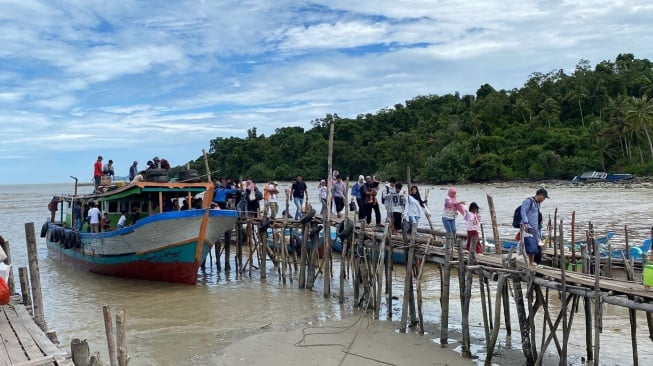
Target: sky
130 80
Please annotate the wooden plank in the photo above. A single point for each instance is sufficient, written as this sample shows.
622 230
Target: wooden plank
10 341
41 340
30 348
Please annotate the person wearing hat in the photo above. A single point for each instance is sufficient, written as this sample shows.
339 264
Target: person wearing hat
97 172
133 170
531 225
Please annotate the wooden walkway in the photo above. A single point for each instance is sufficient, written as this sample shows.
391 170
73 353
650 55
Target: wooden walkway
24 343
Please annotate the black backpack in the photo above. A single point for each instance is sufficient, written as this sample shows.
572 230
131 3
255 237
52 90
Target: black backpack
516 216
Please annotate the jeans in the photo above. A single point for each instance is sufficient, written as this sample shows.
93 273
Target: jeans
411 220
299 202
449 225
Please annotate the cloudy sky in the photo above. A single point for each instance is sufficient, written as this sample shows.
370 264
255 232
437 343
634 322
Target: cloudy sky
133 79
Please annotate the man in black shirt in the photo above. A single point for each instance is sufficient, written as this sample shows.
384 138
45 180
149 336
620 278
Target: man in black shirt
298 192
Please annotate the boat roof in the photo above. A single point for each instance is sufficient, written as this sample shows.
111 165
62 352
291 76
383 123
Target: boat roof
139 187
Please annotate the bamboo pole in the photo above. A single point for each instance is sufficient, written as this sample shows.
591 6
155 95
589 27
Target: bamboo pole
444 290
388 276
632 314
111 340
121 338
587 309
24 287
35 277
597 304
419 292
495 226
379 273
206 165
563 298
227 251
497 319
408 288
327 223
343 254
481 280
573 240
262 252
506 309
466 351
303 257
524 325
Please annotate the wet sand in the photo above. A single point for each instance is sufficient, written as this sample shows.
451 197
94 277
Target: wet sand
355 341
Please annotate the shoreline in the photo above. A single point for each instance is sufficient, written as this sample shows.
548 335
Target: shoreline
356 340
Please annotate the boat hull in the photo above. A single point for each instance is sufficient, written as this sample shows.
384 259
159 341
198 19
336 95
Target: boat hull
166 247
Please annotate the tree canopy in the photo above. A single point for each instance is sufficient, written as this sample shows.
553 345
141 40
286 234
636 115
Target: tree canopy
555 126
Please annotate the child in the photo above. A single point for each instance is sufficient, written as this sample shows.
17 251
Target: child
106 223
473 219
398 201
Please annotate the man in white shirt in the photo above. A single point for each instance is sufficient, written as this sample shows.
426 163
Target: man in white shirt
94 218
122 222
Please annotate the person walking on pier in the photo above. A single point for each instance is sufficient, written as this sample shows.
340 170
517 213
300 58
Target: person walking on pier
398 202
530 216
322 195
357 193
451 209
339 195
473 219
299 191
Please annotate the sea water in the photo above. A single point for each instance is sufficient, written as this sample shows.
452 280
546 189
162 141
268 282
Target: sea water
172 324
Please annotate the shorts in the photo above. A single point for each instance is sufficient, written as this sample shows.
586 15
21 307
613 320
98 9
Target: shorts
530 245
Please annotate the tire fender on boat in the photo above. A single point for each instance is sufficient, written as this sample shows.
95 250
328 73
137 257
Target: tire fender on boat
56 235
296 242
308 217
315 230
44 230
344 229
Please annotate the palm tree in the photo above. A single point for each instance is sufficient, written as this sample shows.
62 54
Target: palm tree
616 110
640 115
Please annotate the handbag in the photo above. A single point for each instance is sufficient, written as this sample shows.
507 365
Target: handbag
352 205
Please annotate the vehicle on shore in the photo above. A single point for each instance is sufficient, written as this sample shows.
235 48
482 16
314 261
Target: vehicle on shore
161 241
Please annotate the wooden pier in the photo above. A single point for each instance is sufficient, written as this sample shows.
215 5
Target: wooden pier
368 252
26 341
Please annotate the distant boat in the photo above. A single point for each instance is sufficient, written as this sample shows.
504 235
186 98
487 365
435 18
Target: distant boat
636 253
594 176
164 244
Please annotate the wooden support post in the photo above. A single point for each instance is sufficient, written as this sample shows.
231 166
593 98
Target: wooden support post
563 297
250 246
444 290
312 260
24 287
227 251
408 288
303 258
263 252
343 264
506 309
388 275
572 232
524 326
497 320
461 269
420 312
35 277
587 309
378 268
360 240
466 351
111 340
597 306
327 220
121 338
481 282
80 352
495 226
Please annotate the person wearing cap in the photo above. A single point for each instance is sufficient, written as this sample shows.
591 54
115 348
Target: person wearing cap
107 169
133 170
530 222
97 172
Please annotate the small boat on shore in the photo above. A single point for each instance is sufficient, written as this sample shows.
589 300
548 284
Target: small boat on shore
508 244
161 242
594 177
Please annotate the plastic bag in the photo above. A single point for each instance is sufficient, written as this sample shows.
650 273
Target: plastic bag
5 296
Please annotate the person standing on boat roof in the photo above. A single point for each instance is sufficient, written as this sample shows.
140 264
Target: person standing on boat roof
530 216
97 172
107 169
133 170
299 191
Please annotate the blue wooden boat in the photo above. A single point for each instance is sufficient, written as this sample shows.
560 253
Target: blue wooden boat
512 243
635 252
163 244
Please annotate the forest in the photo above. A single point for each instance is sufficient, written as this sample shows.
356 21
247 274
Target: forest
555 126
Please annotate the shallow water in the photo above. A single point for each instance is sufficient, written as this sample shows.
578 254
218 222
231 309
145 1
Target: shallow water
171 324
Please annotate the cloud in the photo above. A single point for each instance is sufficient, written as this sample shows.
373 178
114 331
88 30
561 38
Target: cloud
131 80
